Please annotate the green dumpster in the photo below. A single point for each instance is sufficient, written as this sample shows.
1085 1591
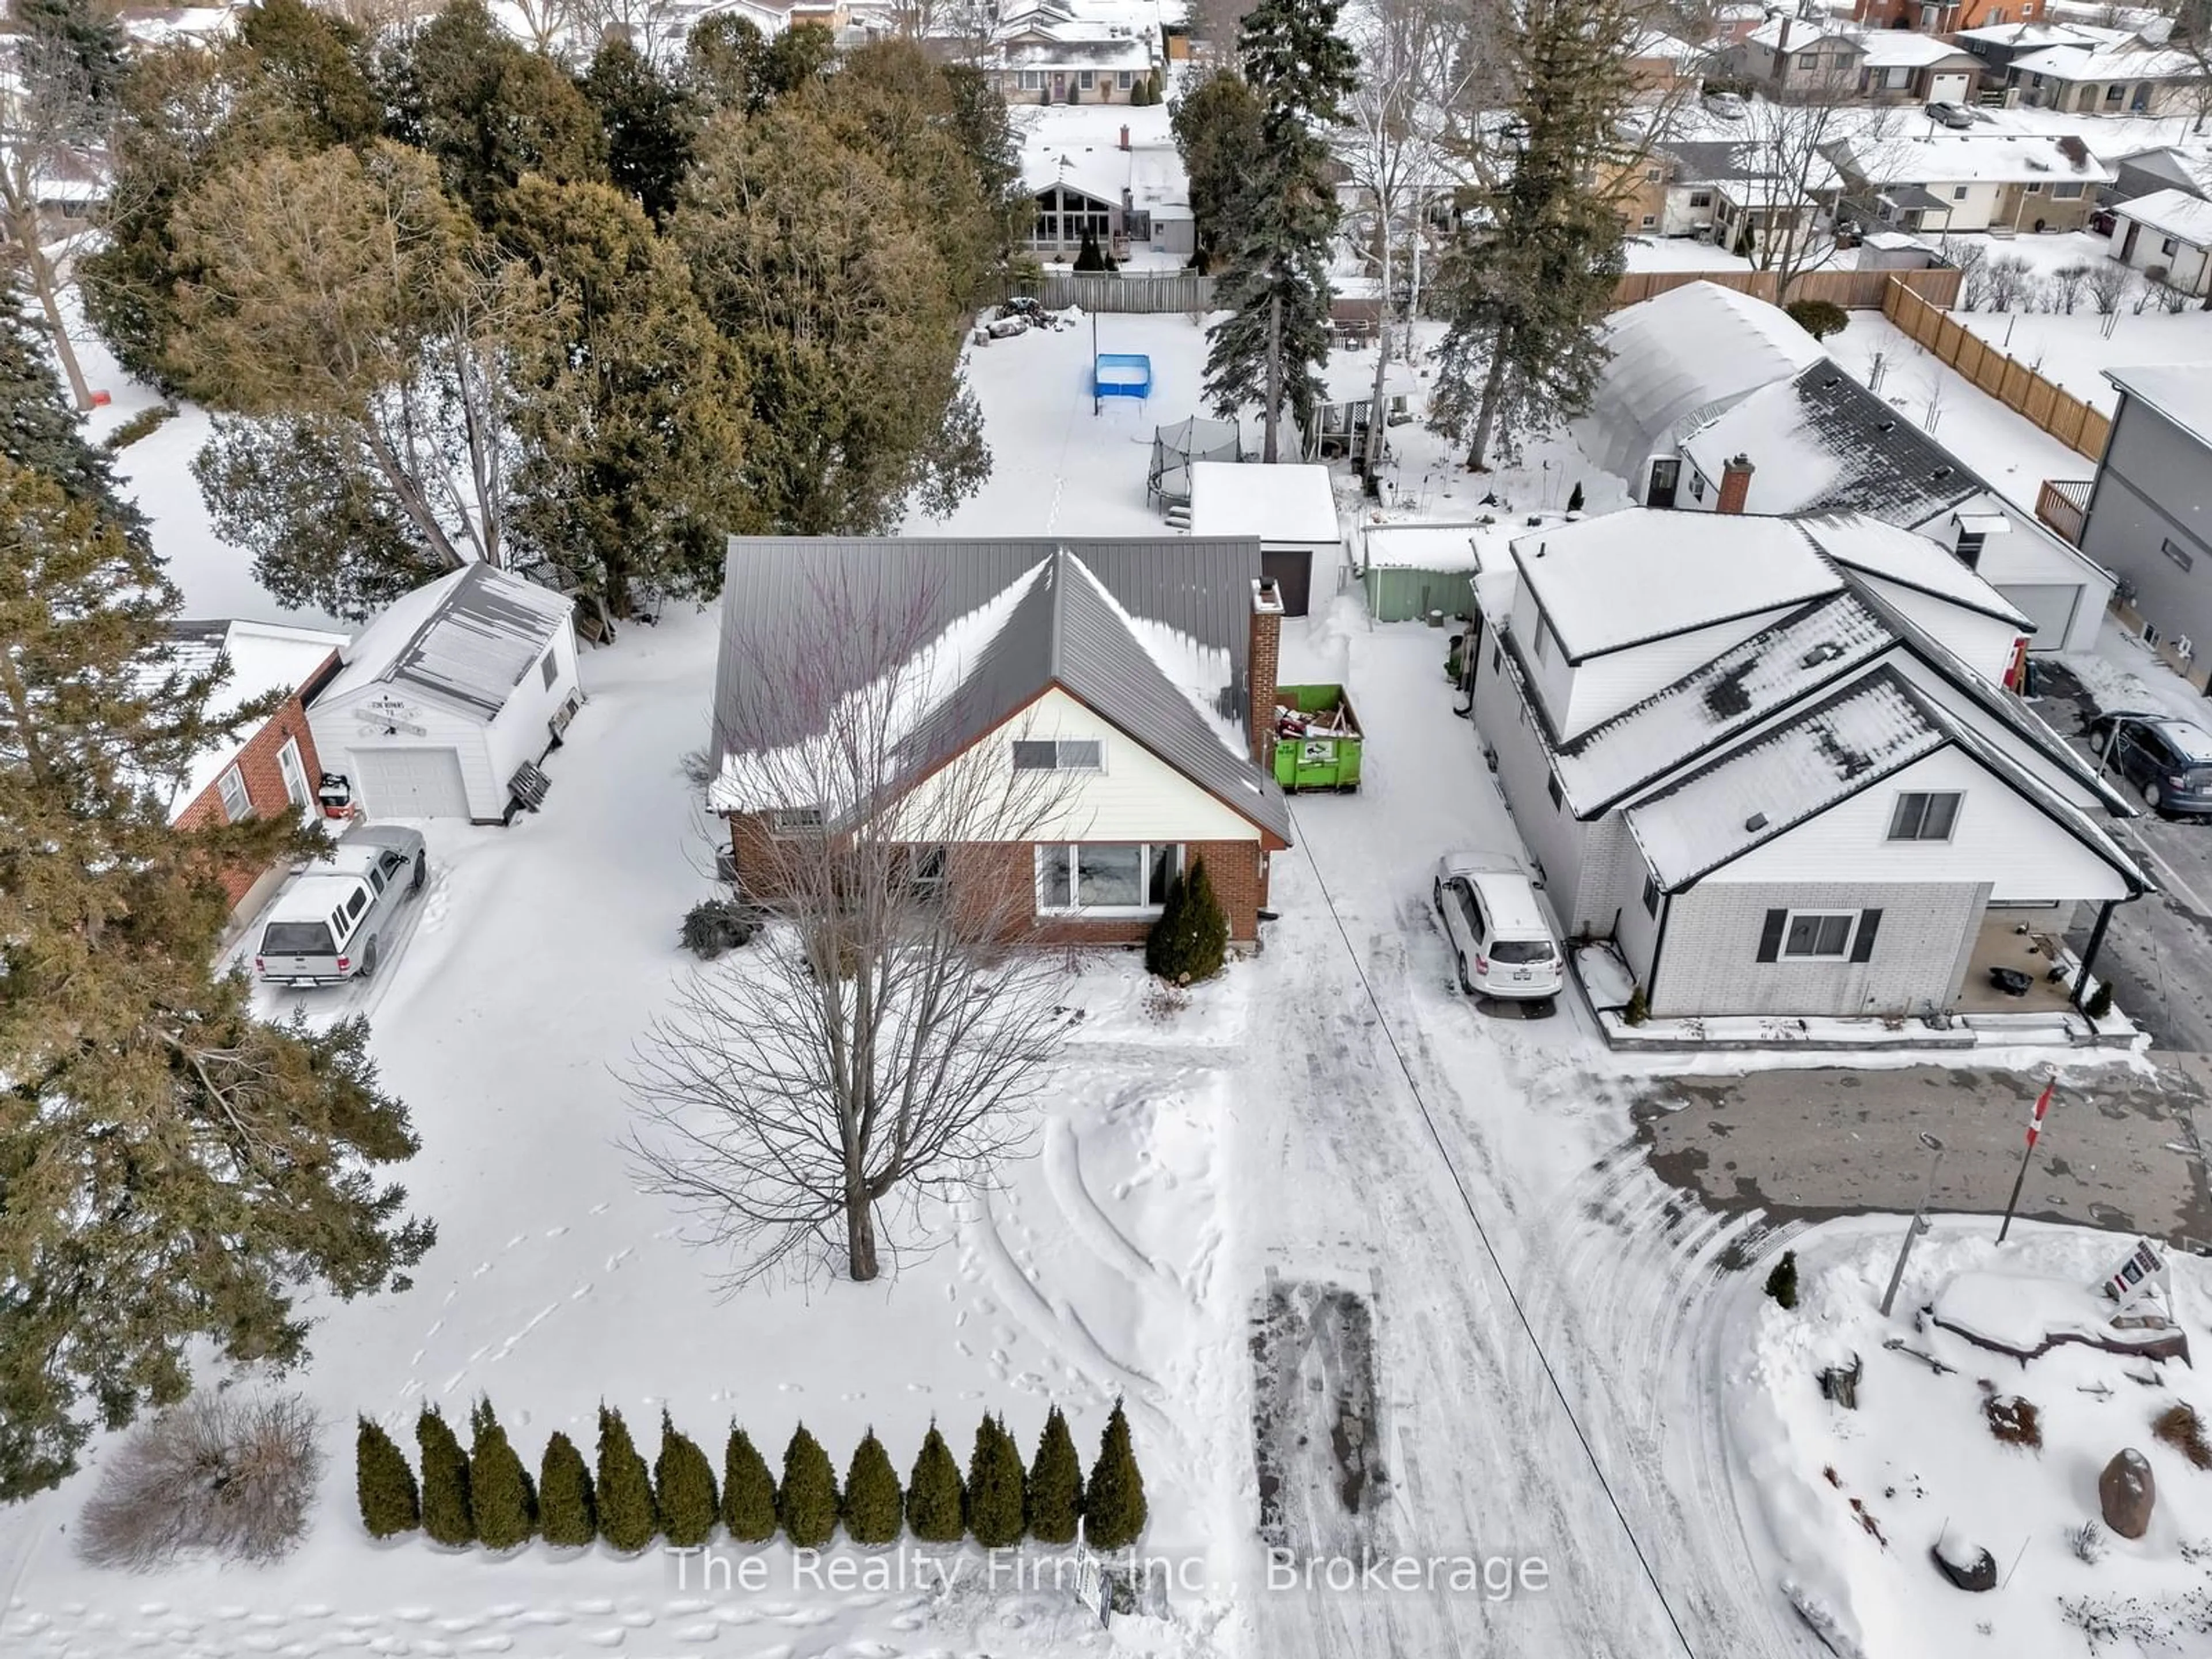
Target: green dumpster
1317 738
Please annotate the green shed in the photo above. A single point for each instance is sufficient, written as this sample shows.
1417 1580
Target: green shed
1409 570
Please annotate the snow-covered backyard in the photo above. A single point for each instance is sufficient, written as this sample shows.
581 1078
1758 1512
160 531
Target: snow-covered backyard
2073 351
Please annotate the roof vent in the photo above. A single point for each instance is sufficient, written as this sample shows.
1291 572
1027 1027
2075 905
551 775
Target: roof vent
1755 823
1886 426
1825 650
1940 473
1833 379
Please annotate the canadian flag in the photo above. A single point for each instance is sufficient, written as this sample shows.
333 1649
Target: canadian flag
2042 1105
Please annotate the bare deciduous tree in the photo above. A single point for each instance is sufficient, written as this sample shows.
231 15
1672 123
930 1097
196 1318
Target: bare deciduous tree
51 125
230 1471
1791 131
546 22
875 1048
2109 281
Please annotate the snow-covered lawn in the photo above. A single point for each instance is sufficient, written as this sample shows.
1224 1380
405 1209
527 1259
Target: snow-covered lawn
2073 351
1679 253
1850 1503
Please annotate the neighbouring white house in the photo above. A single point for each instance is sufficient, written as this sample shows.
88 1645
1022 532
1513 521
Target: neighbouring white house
1057 51
1715 402
1833 57
1141 674
1116 174
1290 507
1957 181
2167 232
2131 78
1769 758
448 701
267 767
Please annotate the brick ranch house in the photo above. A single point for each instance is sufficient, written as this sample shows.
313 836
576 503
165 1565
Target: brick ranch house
1143 670
262 769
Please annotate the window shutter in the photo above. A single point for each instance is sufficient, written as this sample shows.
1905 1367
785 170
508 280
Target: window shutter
1862 946
1770 937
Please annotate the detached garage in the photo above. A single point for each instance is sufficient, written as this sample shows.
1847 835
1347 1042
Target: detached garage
448 702
1290 507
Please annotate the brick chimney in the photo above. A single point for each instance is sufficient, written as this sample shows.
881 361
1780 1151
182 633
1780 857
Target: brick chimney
1259 670
1735 484
1125 136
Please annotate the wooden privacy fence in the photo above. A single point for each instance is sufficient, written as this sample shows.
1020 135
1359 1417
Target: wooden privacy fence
1144 290
2011 382
1854 290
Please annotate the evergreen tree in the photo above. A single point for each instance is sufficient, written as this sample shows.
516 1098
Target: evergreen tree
1575 497
1277 289
837 240
489 108
566 1514
1217 129
39 431
383 1484
76 44
148 1111
935 1499
649 119
627 1517
1114 1511
997 1512
806 1502
685 1482
1528 284
725 64
627 404
874 1504
748 1491
1189 939
501 1495
1055 1488
447 1515
1088 254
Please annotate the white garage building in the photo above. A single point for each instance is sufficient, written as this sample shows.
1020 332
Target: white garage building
448 702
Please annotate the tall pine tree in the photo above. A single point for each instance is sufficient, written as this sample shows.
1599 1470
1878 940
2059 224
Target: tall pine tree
501 1495
1114 1509
567 1512
447 1515
143 1110
384 1484
1528 281
936 1500
1055 1491
748 1490
1276 289
684 1481
628 1516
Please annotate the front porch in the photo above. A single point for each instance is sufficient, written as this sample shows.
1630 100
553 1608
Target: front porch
2007 939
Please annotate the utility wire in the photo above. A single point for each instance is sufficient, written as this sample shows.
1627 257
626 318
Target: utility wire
1466 1199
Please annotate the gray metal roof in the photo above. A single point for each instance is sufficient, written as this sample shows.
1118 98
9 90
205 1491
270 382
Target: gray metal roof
1066 630
468 638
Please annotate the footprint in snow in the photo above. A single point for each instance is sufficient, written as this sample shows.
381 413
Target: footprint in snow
606 1639
917 1388
595 1604
481 1269
597 1209
966 1352
454 1381
488 1644
696 1632
580 1292
985 1306
1007 1335
152 1609
516 1240
554 1232
436 1325
789 1388
619 1257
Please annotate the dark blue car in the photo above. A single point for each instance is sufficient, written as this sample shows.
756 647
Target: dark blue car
2168 759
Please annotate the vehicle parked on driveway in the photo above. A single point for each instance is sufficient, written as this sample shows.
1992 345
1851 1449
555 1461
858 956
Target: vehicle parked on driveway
2164 756
1496 926
1951 115
330 923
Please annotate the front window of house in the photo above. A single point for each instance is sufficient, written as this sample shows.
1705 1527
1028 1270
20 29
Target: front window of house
1104 878
1088 80
1819 933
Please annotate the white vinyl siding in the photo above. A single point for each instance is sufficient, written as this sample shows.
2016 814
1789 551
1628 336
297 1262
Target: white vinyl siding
1142 798
1999 837
1985 643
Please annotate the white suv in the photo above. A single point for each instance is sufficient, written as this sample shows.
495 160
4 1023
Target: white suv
1496 926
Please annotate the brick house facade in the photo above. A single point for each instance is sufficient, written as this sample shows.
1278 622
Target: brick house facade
260 769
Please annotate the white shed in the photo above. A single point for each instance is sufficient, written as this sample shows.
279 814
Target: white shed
449 699
1291 507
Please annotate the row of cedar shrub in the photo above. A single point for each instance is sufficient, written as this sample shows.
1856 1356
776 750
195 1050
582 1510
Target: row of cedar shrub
483 1493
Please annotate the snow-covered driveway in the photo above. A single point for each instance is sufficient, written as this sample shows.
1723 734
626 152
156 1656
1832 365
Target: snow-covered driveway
1423 1157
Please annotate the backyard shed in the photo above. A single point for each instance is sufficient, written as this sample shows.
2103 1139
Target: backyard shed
1292 508
448 701
1409 570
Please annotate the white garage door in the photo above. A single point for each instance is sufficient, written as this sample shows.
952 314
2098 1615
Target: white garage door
410 783
2049 606
1947 88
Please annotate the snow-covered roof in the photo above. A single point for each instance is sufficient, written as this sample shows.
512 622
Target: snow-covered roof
264 658
1866 730
2030 36
2128 61
161 26
1793 33
467 639
1814 646
1448 547
1679 355
2171 213
1905 49
1291 501
1625 578
2194 165
1057 622
1822 442
2180 391
1964 158
1862 542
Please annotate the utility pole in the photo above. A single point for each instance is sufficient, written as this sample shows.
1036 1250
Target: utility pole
1919 1224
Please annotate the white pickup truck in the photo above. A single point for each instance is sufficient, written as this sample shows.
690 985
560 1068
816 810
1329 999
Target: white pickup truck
329 925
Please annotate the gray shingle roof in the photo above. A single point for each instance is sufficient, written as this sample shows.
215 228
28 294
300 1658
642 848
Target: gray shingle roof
468 638
1075 627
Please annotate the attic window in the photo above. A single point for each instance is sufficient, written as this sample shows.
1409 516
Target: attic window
1059 755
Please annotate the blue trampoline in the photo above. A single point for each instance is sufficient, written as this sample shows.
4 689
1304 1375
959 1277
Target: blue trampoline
1121 374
